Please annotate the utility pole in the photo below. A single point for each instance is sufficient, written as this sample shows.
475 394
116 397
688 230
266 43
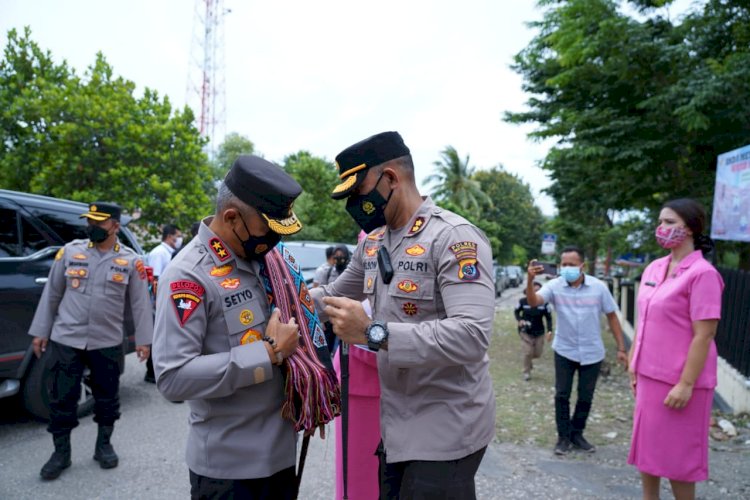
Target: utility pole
205 93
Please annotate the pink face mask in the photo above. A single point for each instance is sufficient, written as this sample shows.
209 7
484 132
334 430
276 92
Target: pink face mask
670 237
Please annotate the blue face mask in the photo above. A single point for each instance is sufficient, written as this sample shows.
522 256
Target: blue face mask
570 273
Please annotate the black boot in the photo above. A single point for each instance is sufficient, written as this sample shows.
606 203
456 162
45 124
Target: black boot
60 459
104 453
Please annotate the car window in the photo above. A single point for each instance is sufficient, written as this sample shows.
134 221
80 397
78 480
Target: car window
19 240
9 237
68 226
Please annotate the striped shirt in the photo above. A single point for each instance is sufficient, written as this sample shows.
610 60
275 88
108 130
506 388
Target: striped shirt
578 335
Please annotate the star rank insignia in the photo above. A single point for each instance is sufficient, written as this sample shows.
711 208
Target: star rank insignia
218 248
417 226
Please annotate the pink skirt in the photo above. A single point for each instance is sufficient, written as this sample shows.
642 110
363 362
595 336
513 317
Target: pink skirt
666 442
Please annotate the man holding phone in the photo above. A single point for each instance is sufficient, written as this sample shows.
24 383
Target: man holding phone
579 300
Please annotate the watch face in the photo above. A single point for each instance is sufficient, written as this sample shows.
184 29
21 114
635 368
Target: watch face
377 333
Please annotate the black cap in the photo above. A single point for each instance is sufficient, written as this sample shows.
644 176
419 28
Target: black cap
267 188
354 161
103 210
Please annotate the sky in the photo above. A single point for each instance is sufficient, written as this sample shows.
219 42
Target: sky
320 76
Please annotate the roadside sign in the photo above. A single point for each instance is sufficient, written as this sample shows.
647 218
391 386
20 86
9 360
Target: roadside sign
731 210
548 243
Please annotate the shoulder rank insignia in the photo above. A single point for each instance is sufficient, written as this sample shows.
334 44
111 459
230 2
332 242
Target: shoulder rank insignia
60 253
117 247
186 295
466 254
409 308
218 248
417 226
415 250
408 286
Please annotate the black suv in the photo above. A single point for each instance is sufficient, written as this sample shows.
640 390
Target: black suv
32 229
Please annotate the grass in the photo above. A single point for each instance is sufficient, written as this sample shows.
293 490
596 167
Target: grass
526 410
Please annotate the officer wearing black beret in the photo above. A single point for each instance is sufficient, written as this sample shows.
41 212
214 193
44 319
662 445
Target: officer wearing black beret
211 346
79 324
427 273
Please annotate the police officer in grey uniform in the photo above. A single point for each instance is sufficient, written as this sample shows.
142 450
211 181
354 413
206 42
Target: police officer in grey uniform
218 346
79 323
428 275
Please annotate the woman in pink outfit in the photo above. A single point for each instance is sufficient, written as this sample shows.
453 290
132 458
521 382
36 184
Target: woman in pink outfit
673 357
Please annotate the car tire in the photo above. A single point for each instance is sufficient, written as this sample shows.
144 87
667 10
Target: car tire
35 395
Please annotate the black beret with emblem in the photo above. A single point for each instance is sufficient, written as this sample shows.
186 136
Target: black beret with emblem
103 210
354 162
267 188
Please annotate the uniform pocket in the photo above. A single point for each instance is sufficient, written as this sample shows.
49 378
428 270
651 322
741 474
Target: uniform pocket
77 278
117 283
245 323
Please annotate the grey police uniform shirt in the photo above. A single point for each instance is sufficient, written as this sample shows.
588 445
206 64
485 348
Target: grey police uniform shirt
437 401
83 303
211 313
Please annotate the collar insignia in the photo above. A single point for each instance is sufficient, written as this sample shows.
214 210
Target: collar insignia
218 249
417 226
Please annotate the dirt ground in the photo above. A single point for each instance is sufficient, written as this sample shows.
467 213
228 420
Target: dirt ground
526 430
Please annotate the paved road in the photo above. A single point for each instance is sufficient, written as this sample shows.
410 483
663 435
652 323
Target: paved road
150 439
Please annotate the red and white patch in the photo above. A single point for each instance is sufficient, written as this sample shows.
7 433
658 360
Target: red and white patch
186 296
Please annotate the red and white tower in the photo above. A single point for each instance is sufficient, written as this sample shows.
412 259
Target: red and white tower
205 92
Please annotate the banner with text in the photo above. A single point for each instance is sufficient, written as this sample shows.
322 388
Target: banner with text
731 210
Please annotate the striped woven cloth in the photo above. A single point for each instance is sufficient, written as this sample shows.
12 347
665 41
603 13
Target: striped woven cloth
313 395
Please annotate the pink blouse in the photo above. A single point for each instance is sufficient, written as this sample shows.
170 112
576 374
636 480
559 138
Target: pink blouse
667 307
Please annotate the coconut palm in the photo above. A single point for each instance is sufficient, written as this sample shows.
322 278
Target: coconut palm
454 182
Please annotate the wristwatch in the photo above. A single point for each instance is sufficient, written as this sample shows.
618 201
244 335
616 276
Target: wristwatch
377 334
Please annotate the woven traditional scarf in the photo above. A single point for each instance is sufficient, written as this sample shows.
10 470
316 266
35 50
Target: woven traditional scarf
313 396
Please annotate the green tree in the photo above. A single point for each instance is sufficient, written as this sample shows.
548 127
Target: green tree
234 145
640 108
519 221
323 218
88 138
454 183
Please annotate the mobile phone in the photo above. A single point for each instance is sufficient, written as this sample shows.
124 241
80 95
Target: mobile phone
549 267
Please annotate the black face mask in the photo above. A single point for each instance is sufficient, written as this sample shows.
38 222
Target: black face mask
341 263
256 247
97 234
368 210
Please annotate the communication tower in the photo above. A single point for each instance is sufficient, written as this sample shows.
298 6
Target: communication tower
205 93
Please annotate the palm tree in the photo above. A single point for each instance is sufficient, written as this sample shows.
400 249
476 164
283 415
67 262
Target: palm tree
454 182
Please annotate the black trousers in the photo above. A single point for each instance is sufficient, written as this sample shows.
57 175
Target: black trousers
280 486
587 374
429 480
66 366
